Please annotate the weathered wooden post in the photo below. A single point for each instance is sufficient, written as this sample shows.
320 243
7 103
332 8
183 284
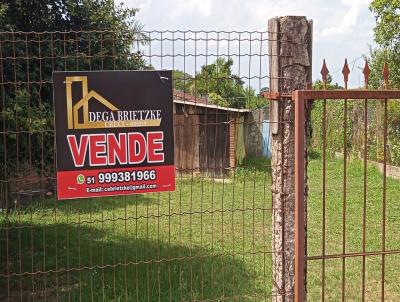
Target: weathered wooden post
290 49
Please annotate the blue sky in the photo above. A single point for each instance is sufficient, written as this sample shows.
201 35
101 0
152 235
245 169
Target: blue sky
342 28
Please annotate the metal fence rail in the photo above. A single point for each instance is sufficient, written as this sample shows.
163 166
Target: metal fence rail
209 240
350 251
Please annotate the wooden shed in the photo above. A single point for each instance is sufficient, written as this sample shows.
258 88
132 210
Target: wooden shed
207 136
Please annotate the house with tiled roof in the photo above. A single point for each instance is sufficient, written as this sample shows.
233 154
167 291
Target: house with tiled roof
212 139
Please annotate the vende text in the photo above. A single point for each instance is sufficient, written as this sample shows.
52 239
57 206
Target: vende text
110 149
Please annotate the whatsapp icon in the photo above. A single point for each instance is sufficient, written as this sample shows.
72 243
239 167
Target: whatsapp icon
80 179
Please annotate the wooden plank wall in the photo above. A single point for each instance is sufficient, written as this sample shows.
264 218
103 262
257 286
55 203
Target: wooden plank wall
214 143
202 140
186 134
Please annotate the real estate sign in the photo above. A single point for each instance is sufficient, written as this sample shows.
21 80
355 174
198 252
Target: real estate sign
114 133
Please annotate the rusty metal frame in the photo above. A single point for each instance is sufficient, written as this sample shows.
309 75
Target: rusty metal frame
301 98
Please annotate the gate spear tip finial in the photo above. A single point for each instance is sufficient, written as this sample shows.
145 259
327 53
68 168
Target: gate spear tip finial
345 72
366 72
324 72
385 73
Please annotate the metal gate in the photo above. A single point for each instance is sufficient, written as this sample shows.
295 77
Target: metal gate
351 219
209 240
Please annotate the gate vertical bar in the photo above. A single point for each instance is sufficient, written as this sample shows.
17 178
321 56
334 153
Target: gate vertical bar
299 282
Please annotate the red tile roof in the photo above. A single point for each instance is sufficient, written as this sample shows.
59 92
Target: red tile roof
187 97
192 100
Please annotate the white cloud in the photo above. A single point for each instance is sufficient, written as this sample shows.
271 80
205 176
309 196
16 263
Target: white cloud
189 7
349 21
342 29
144 4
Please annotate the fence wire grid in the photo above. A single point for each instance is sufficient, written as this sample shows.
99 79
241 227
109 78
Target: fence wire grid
210 240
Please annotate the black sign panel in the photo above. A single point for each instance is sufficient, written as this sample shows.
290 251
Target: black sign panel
114 132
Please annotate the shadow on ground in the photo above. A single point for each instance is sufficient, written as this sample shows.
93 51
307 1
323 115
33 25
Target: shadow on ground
90 264
90 205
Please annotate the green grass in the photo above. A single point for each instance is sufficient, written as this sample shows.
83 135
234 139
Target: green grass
207 240
354 232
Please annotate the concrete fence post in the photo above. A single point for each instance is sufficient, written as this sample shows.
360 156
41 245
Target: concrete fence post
290 49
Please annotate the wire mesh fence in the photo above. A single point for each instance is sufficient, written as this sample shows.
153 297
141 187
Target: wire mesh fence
210 240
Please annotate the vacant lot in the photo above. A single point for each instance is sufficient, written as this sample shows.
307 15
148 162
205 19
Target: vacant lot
208 240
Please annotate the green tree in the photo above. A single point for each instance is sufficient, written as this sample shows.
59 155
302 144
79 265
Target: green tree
319 84
377 58
64 35
387 36
225 88
334 116
387 29
182 80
